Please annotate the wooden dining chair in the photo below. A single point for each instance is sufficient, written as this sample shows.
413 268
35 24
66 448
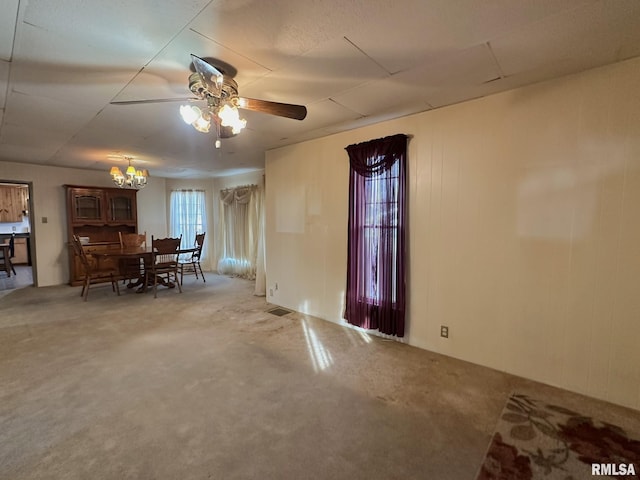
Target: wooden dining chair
191 265
131 268
5 261
92 273
164 266
132 239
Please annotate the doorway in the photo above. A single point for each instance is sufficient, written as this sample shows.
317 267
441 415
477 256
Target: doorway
16 203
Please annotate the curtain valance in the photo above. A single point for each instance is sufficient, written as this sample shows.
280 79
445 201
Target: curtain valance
376 156
238 194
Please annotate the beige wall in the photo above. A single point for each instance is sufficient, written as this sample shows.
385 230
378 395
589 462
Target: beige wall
152 209
524 230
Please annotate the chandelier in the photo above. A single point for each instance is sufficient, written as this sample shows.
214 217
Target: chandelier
132 178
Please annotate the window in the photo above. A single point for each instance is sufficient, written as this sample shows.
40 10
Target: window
380 231
188 215
375 297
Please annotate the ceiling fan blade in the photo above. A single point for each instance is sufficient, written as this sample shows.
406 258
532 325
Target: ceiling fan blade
297 112
211 77
156 100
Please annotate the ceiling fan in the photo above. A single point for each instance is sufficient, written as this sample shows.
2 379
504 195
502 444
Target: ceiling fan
220 91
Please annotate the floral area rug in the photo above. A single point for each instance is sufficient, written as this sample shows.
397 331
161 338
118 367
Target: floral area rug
537 441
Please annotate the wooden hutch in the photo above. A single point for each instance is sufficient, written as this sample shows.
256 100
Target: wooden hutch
98 213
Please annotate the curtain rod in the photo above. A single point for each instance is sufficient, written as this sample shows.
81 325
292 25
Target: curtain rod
188 190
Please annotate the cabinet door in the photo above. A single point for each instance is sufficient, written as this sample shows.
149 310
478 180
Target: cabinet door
87 205
12 203
122 207
20 251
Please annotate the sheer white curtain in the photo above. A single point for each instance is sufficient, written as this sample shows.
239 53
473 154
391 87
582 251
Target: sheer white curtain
188 215
241 234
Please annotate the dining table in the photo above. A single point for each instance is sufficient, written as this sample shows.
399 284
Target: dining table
145 253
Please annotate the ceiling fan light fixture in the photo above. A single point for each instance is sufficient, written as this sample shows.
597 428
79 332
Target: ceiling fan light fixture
203 123
239 125
230 117
190 113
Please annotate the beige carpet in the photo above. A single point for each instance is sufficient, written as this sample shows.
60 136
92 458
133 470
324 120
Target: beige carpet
208 385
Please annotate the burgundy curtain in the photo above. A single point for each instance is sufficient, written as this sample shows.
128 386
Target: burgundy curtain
375 296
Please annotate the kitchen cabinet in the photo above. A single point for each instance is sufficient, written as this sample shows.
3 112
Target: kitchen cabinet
14 201
20 256
98 213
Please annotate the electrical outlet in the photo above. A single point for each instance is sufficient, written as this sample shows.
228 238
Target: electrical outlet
271 292
444 331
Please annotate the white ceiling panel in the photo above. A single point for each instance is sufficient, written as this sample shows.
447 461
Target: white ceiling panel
408 33
604 31
8 18
4 82
382 95
28 153
18 141
274 33
124 28
450 77
41 113
331 67
166 116
167 75
57 67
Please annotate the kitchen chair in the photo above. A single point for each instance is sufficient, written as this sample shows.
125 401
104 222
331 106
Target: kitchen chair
191 265
12 253
92 274
6 254
164 265
132 268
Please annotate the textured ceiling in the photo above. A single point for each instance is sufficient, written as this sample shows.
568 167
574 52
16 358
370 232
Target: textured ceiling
350 62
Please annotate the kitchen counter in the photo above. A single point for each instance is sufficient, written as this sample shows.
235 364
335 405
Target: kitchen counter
18 235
